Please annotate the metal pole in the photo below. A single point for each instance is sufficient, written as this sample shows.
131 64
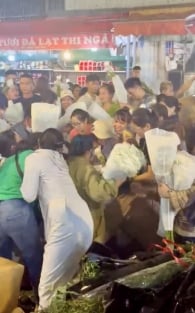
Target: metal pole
128 56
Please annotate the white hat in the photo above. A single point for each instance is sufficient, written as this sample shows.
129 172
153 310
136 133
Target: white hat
103 129
66 93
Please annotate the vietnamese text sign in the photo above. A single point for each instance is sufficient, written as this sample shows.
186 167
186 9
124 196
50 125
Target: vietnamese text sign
104 40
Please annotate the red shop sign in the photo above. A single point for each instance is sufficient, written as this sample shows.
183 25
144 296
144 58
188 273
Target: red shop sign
104 40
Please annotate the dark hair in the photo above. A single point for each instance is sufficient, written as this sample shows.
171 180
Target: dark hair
141 117
28 144
51 139
7 141
160 98
81 115
109 88
42 83
137 68
92 78
34 140
170 101
133 82
27 112
47 95
81 144
83 91
26 75
190 139
160 110
75 86
123 115
10 72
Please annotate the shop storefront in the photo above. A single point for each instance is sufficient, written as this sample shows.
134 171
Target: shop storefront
162 42
54 47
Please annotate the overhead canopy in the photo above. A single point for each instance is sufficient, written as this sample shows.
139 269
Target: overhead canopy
61 26
150 28
156 21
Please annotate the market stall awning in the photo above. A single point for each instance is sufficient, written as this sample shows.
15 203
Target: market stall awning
171 20
150 28
62 26
70 32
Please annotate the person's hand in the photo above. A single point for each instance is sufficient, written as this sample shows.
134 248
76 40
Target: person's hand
163 191
2 112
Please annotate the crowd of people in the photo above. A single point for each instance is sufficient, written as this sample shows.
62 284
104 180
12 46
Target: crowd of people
56 199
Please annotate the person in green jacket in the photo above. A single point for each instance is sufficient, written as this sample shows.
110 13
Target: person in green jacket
18 225
91 186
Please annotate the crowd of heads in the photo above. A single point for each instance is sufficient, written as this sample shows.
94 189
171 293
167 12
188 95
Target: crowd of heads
165 112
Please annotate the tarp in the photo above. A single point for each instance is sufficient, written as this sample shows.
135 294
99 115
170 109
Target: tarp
158 21
151 28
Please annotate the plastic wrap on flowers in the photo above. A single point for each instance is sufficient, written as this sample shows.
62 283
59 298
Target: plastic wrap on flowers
97 112
149 291
65 119
44 116
120 91
183 171
94 110
162 149
14 113
124 161
154 277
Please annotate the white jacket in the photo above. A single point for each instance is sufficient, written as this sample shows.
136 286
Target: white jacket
47 177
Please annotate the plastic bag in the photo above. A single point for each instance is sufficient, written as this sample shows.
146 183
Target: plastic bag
162 149
44 116
154 277
125 160
14 113
120 91
183 171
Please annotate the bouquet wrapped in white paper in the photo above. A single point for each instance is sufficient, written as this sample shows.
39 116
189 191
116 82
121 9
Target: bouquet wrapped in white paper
183 171
124 161
120 91
162 149
14 113
65 119
94 110
97 112
44 116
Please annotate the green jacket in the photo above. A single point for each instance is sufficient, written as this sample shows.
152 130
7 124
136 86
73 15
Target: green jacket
10 180
91 186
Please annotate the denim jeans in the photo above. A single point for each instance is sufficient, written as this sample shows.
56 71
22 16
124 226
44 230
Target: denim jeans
18 227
